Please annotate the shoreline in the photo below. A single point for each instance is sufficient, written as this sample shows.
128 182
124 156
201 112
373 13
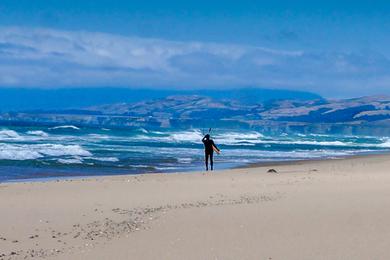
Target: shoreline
246 166
327 209
316 160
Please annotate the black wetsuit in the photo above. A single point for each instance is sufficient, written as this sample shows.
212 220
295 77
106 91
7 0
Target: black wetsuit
209 151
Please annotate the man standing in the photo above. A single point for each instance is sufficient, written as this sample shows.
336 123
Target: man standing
209 148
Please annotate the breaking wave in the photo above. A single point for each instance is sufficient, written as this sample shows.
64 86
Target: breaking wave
65 127
98 136
143 130
235 138
385 144
298 154
184 160
253 138
103 159
75 160
8 134
187 136
195 137
18 153
316 143
35 151
38 133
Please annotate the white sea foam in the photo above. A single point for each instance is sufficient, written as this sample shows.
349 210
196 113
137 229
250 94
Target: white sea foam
385 144
11 135
103 159
184 160
297 154
143 130
145 138
74 160
65 127
99 137
61 150
35 151
18 152
157 132
195 136
283 142
38 133
8 134
319 143
187 136
165 168
249 139
234 138
321 135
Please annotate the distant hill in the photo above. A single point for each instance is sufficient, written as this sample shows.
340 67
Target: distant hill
365 115
368 109
12 99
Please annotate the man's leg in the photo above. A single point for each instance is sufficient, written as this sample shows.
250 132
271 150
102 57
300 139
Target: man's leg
206 159
211 161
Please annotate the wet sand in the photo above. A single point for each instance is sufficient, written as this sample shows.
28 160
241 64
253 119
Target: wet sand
331 209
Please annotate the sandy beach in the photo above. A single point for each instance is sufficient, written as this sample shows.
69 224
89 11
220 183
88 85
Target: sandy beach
331 209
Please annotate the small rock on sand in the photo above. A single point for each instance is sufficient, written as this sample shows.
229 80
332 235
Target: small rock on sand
272 171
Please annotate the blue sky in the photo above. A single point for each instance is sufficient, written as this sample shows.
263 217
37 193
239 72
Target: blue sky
335 48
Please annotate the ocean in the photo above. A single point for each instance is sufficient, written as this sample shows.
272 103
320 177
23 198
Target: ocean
31 153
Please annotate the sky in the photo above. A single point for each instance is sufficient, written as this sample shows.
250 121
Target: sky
334 48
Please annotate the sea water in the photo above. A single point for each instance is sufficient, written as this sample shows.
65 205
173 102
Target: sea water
70 151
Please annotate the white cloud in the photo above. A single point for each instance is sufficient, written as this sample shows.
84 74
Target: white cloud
54 58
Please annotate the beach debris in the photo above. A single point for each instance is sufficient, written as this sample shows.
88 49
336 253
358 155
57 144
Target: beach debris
272 171
15 241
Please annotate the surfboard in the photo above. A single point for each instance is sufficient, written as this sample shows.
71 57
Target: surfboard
216 150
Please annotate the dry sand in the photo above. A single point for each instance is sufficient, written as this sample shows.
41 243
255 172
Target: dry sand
334 209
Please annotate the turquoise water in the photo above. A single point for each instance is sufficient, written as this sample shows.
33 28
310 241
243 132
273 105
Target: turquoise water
65 151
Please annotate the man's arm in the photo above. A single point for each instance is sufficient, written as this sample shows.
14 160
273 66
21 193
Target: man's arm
212 142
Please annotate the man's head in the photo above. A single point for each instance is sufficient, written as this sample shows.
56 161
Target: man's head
207 136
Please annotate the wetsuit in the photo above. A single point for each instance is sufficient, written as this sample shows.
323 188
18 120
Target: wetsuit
209 151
